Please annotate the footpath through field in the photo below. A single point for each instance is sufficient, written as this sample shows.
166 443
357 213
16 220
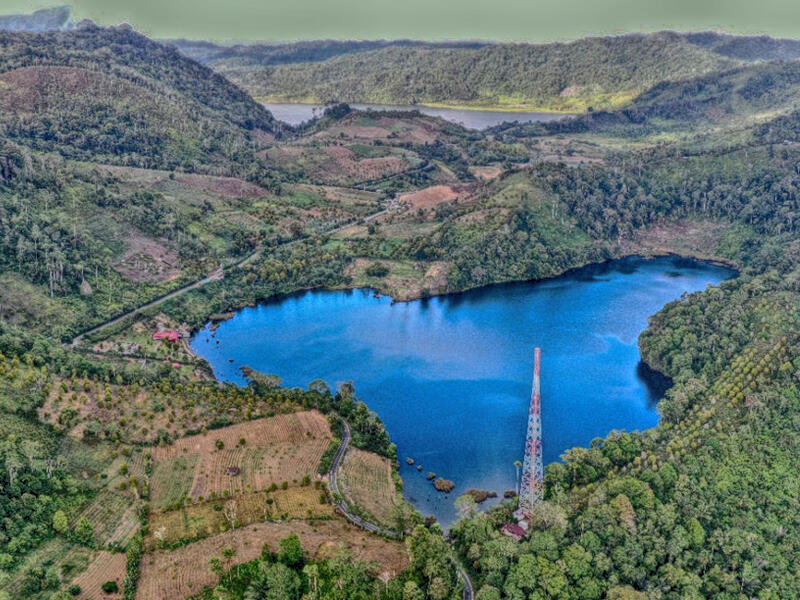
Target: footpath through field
215 276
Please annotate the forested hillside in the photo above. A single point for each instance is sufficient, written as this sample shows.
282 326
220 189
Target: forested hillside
596 72
722 106
601 73
112 95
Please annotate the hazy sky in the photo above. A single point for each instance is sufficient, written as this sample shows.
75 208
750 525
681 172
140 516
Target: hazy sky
522 20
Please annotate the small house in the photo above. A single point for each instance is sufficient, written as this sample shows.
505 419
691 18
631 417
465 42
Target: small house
512 530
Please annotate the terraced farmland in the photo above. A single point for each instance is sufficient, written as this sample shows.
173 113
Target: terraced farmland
242 458
212 517
184 571
106 566
366 480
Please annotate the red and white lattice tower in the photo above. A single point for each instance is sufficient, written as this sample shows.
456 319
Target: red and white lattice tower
532 489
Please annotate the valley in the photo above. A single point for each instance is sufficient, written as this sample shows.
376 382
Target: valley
189 327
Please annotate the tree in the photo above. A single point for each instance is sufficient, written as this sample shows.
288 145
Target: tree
487 592
274 582
290 551
466 505
215 564
230 512
84 530
411 591
60 522
624 592
312 574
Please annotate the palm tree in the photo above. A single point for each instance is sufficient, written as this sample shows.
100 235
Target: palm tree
518 465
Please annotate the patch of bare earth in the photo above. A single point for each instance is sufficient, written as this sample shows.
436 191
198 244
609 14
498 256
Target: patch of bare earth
433 196
391 129
230 187
276 449
184 571
698 239
428 197
147 259
486 173
107 566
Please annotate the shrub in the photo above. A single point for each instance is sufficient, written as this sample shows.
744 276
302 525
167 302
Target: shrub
377 269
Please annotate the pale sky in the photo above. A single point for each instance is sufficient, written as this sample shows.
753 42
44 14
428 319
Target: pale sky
517 20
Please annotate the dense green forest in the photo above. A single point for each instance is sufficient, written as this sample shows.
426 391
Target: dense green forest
594 72
602 73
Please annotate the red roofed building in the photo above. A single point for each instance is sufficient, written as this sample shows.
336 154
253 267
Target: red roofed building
512 530
170 336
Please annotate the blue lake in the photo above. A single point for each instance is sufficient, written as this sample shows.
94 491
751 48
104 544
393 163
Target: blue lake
294 114
450 376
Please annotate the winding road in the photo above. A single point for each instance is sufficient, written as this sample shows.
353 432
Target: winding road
215 276
468 593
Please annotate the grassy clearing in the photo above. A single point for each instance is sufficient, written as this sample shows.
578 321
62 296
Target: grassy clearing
172 481
366 480
184 571
106 566
113 515
242 458
209 518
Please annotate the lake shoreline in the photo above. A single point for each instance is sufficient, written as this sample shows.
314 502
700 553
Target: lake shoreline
718 262
291 335
714 261
522 108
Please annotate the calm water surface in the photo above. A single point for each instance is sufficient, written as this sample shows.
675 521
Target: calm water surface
294 114
450 376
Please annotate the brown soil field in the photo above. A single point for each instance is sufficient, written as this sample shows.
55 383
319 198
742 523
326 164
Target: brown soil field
429 197
278 449
373 168
261 433
230 187
147 259
106 566
486 173
367 482
184 571
416 130
209 518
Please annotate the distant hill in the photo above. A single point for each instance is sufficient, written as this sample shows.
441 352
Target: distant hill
113 95
299 52
746 47
602 73
46 19
740 97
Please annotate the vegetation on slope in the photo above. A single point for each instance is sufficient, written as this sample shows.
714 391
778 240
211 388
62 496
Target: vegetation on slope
704 505
112 95
717 104
594 72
